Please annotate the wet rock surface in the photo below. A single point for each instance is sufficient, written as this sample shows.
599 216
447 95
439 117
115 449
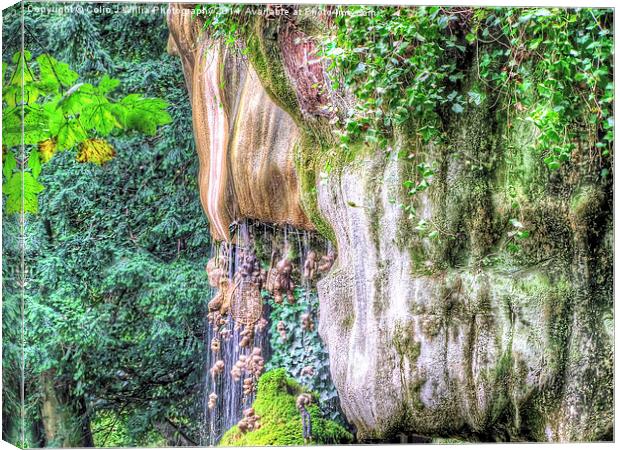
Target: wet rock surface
244 140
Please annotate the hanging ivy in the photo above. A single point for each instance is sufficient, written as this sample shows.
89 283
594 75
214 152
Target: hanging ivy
300 350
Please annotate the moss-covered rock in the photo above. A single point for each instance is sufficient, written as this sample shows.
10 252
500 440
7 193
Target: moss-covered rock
500 327
280 419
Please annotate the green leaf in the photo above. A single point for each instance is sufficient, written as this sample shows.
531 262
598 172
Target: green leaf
12 188
513 248
11 127
107 84
26 55
77 98
12 94
457 108
553 164
22 73
49 81
68 132
142 114
36 124
34 162
8 165
98 115
523 234
55 74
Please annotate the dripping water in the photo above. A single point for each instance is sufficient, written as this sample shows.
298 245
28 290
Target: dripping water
230 398
281 241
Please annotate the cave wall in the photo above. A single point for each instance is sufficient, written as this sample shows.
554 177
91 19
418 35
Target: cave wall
448 337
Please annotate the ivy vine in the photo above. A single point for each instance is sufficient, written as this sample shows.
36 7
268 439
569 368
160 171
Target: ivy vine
298 349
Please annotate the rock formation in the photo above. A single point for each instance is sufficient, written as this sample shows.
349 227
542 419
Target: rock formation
244 140
453 336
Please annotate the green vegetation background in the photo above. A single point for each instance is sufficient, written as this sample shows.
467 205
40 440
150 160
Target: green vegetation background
115 256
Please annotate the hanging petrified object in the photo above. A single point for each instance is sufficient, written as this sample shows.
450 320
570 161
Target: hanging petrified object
261 324
238 368
215 271
217 368
285 269
250 268
222 299
226 293
310 265
273 285
216 319
246 336
246 304
249 422
307 324
248 386
303 401
279 280
255 363
215 345
326 261
212 400
215 303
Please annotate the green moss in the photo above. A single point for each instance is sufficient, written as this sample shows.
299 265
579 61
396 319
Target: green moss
405 344
308 161
280 420
503 373
310 156
265 57
347 322
408 349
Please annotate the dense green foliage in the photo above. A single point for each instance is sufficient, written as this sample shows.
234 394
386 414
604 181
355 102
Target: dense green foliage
116 254
57 111
420 68
280 419
409 64
302 348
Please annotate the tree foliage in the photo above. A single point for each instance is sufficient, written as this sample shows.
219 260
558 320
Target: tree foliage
45 105
115 255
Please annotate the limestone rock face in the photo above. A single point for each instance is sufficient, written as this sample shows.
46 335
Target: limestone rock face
505 352
443 322
244 141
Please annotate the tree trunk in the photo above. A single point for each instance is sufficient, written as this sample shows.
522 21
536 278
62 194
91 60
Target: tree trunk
65 421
